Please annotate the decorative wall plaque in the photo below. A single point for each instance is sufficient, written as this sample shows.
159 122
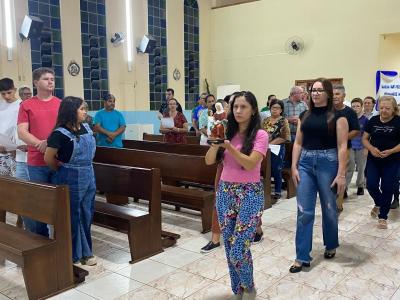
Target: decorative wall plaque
177 74
73 68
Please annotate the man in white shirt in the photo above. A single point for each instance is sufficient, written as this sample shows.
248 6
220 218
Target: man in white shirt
9 106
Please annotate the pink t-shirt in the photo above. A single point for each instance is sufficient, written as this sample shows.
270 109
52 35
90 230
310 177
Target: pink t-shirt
233 171
41 117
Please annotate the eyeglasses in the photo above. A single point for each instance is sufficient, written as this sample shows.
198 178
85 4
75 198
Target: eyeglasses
317 91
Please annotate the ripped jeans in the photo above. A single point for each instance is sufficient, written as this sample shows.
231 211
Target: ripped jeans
317 170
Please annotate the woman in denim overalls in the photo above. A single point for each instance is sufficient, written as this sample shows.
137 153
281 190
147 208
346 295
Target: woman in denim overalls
70 151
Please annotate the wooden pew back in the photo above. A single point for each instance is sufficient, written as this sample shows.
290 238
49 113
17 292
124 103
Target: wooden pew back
173 166
190 139
128 181
48 204
188 149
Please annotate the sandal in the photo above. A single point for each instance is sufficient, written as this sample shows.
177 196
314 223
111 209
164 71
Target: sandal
298 267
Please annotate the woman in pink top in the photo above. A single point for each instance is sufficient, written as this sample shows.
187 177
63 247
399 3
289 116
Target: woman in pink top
240 195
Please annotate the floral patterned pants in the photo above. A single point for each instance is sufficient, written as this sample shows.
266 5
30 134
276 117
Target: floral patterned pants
7 165
240 207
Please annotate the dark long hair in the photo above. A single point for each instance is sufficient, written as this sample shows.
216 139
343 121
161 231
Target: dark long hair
328 88
254 125
67 114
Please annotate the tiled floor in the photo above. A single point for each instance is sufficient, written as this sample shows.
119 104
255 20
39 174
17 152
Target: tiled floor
367 264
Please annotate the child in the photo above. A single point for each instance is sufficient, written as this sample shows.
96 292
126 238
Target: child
70 151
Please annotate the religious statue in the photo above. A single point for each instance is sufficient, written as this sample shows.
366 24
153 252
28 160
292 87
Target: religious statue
218 126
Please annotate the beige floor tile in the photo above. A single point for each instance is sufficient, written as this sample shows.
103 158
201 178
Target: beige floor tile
180 283
10 278
109 287
146 271
177 257
210 268
72 295
320 279
378 273
357 288
285 289
147 293
215 291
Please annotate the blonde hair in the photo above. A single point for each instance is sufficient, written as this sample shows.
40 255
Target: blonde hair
393 101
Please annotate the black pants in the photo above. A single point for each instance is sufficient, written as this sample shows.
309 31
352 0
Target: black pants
382 180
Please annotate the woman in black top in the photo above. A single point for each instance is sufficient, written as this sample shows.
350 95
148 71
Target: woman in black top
382 139
318 166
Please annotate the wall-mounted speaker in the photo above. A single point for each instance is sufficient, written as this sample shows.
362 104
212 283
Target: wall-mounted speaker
31 27
147 44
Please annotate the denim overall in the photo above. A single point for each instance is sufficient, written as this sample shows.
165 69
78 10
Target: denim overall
79 176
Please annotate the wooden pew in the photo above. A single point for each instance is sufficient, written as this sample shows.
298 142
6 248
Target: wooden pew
173 167
143 228
190 139
287 173
200 150
188 149
46 263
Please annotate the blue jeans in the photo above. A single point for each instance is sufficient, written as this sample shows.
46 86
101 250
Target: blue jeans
317 170
276 169
40 174
382 181
22 171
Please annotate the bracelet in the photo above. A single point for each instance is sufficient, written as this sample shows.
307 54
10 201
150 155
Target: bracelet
342 176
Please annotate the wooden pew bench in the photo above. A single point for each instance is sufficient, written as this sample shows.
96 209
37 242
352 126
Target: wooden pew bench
200 150
143 228
174 168
46 263
190 139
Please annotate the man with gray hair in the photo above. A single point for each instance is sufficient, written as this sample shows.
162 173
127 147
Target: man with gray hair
294 106
339 93
24 93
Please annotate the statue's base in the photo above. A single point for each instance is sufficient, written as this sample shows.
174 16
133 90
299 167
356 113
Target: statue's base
215 141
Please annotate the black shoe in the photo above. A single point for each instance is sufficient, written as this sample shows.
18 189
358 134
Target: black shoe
210 247
360 191
345 196
258 238
329 254
276 196
297 269
395 204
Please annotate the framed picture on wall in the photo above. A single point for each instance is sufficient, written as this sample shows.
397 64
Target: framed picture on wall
308 82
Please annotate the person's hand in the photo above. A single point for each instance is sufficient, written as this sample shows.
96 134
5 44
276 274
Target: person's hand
109 140
23 148
3 149
375 152
340 182
386 153
175 129
41 146
295 176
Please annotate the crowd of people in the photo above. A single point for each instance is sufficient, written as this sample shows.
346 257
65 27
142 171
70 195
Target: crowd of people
50 140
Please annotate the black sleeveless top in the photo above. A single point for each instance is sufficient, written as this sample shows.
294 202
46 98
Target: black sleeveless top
316 135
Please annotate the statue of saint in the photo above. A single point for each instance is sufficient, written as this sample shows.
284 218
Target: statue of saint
217 135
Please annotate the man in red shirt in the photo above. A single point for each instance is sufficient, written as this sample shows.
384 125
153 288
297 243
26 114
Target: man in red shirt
36 119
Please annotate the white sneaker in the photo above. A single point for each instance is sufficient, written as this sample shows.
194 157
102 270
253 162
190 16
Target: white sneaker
89 261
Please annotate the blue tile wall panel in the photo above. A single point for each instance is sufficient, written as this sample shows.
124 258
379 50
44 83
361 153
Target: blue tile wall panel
46 51
158 76
191 44
94 52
